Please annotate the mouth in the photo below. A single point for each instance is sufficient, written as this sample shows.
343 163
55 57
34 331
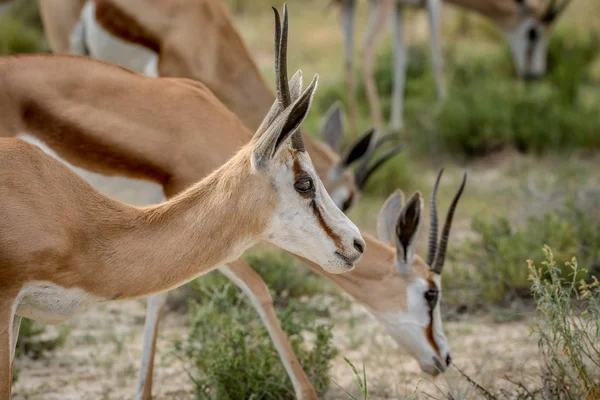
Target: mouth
439 366
349 261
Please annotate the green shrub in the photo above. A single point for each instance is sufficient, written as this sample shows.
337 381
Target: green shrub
568 328
499 254
229 355
21 29
16 37
34 340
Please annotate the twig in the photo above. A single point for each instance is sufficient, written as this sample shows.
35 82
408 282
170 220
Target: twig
486 393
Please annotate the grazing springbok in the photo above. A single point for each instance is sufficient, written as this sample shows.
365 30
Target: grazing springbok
526 24
66 246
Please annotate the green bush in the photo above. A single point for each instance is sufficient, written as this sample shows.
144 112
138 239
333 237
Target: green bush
229 355
569 329
498 256
34 340
21 29
16 37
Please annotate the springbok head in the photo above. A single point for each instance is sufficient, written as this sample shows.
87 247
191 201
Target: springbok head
414 318
307 222
529 34
341 181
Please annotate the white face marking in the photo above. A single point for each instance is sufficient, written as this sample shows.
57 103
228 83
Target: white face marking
408 327
53 304
529 47
104 46
295 226
131 191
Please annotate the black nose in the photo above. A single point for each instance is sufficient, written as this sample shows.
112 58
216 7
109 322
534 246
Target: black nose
359 245
448 360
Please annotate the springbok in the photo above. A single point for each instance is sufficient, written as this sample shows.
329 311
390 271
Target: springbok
526 24
66 246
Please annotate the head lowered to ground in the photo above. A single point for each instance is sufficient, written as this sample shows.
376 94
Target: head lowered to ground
306 221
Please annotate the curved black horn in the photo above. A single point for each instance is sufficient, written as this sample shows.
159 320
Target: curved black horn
553 11
283 89
440 255
433 227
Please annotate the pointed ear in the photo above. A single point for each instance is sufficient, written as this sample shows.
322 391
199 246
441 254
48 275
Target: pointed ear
407 231
359 148
295 86
388 215
288 122
332 129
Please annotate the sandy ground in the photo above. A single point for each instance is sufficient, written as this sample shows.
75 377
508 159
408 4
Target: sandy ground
100 358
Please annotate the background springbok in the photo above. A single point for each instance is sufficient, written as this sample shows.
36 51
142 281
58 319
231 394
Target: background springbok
66 246
526 24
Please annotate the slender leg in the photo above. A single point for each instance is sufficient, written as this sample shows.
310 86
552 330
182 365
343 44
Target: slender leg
155 305
256 289
400 59
434 11
378 10
348 7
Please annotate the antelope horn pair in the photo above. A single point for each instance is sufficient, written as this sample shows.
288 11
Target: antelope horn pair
436 253
283 90
364 171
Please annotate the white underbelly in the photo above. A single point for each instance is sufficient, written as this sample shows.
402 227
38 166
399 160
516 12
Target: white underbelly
104 46
131 191
52 304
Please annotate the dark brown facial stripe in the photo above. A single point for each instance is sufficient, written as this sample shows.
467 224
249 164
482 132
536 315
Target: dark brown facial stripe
429 328
336 239
299 173
124 26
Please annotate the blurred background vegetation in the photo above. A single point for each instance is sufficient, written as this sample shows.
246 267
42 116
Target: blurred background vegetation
532 153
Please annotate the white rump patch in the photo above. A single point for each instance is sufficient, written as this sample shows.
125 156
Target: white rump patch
104 46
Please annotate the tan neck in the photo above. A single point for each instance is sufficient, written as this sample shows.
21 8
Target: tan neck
172 243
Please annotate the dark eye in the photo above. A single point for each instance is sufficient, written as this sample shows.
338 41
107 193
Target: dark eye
304 185
431 296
